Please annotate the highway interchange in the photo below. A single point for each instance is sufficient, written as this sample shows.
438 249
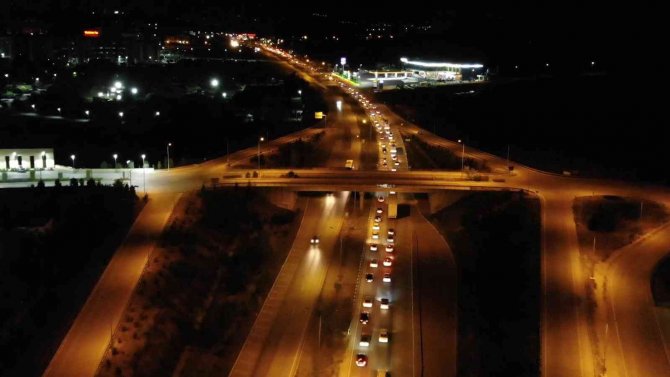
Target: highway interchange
422 340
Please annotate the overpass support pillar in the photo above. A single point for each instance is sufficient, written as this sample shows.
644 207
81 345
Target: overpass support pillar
361 196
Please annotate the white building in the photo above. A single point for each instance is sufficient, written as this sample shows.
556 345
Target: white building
27 159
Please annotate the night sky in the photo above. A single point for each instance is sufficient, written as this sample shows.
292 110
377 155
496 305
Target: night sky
561 32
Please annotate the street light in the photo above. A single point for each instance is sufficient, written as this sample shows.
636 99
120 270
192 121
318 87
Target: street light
72 157
133 90
115 157
120 114
168 155
462 155
157 113
118 85
299 92
87 112
58 108
259 151
224 94
144 175
214 83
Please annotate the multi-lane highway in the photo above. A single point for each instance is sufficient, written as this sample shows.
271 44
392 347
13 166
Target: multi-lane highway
636 340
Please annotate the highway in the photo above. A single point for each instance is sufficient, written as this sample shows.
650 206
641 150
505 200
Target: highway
275 344
567 349
276 336
636 342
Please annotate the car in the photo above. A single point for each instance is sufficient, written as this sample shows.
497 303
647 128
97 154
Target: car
373 247
367 302
361 360
373 263
314 240
390 239
386 278
384 164
375 226
365 340
378 219
383 336
388 262
394 169
375 236
369 277
364 317
380 199
392 192
391 232
380 210
389 248
384 304
396 163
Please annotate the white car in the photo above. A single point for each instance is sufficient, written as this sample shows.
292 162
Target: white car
375 226
365 341
386 278
379 210
314 240
388 262
390 239
383 336
375 236
384 304
367 302
389 248
373 263
373 247
391 232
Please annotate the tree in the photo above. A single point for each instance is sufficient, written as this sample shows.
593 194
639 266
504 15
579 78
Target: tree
74 182
40 184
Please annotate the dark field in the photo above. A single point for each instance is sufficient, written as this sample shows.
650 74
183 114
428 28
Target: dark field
590 125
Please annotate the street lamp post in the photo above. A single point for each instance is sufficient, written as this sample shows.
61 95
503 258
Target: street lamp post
115 157
168 155
144 174
462 155
259 151
72 157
